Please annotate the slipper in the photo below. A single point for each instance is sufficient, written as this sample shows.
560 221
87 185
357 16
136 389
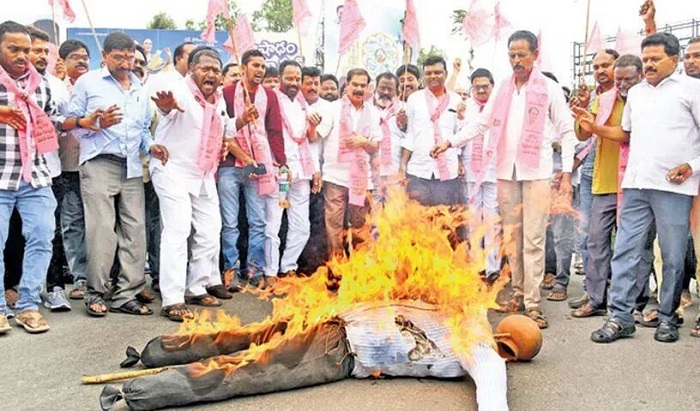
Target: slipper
537 316
650 319
176 312
145 296
96 299
4 324
557 294
548 281
695 332
132 307
32 321
204 300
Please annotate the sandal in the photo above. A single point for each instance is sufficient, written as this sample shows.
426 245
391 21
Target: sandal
536 315
514 305
95 300
132 307
548 282
176 312
145 296
612 330
650 319
204 300
32 321
558 294
695 332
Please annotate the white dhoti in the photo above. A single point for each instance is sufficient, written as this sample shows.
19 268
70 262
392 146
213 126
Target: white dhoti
190 223
297 234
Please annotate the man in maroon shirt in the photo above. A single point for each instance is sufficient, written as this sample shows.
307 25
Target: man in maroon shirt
260 142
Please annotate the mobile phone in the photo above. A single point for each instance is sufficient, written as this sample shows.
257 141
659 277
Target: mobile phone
259 170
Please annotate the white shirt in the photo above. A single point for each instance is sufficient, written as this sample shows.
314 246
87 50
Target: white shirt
296 115
420 137
507 167
472 116
334 171
321 107
180 133
60 96
397 137
163 81
663 123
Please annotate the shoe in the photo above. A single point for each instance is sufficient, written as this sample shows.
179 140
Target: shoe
56 300
145 296
588 310
611 331
666 332
638 316
11 297
579 302
269 282
32 322
4 324
78 291
219 291
235 285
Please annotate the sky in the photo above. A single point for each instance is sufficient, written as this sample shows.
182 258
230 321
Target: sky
561 21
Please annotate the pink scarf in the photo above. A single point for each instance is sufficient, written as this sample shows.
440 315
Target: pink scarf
258 138
477 155
39 126
307 163
212 129
435 114
385 145
358 158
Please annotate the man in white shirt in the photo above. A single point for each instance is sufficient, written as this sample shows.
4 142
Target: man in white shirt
192 126
432 119
659 183
351 132
300 170
389 158
516 120
483 202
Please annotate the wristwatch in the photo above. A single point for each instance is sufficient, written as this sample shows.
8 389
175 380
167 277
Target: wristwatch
77 121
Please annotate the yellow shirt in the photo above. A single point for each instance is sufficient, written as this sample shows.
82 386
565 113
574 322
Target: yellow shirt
607 157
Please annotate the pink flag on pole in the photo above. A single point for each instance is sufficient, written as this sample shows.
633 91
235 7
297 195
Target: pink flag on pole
215 8
68 12
596 42
351 25
628 42
301 14
479 23
410 26
501 22
52 59
243 35
543 61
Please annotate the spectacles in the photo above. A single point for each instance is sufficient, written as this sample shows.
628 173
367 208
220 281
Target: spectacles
79 57
481 88
120 59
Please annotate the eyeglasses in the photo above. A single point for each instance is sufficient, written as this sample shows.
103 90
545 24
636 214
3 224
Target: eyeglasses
120 58
481 88
78 57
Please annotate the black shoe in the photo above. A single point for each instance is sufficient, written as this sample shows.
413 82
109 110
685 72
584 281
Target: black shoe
666 332
219 291
611 331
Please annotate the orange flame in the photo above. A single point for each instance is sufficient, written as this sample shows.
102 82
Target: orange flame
416 256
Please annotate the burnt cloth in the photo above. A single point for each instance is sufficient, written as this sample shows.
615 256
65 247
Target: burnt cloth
318 356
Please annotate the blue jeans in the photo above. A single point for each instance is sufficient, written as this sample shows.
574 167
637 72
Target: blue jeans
73 226
231 181
639 210
585 204
36 206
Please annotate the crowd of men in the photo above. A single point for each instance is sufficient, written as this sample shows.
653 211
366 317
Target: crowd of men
111 171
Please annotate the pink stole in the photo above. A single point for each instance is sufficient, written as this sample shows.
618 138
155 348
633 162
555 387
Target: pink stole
435 114
358 158
385 145
39 126
212 129
257 139
476 162
307 163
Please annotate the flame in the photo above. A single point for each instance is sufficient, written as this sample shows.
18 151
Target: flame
415 255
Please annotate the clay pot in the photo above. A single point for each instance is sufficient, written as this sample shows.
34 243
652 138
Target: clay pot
523 340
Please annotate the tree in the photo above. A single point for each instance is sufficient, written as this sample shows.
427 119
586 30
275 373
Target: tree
162 21
274 15
190 25
433 51
220 22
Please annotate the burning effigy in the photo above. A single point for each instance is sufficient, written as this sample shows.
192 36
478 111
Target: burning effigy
406 302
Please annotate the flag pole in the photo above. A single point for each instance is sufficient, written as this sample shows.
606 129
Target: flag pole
585 44
301 51
92 27
53 23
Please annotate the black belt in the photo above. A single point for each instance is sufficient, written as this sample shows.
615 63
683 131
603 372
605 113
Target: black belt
111 157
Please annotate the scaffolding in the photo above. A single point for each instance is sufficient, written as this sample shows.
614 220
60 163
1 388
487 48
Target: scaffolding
684 31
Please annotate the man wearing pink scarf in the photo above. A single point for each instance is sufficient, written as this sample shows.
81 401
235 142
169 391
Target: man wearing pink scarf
516 120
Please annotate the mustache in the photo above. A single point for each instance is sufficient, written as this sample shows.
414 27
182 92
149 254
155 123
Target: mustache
358 93
650 70
517 66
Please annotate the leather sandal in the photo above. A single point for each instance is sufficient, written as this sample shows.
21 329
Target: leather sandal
32 321
587 310
204 300
176 312
558 293
132 307
536 315
611 331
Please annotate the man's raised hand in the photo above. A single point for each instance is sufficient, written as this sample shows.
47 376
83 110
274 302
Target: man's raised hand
585 118
166 102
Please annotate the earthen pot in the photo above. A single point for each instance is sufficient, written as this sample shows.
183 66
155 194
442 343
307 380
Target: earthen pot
523 340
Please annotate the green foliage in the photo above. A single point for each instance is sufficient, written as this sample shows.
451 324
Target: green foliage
162 21
458 16
433 51
220 22
190 25
274 15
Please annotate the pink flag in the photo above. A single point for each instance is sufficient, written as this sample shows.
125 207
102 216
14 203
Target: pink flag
68 12
53 59
215 8
301 15
628 42
543 60
351 25
596 42
243 36
479 24
410 26
501 22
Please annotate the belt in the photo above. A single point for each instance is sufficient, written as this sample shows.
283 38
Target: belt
111 157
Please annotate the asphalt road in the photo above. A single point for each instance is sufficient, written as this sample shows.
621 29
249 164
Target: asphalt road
42 372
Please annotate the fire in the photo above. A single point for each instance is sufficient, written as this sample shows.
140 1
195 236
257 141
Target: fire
412 253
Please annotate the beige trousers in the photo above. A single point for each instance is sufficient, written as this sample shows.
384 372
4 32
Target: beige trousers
524 208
